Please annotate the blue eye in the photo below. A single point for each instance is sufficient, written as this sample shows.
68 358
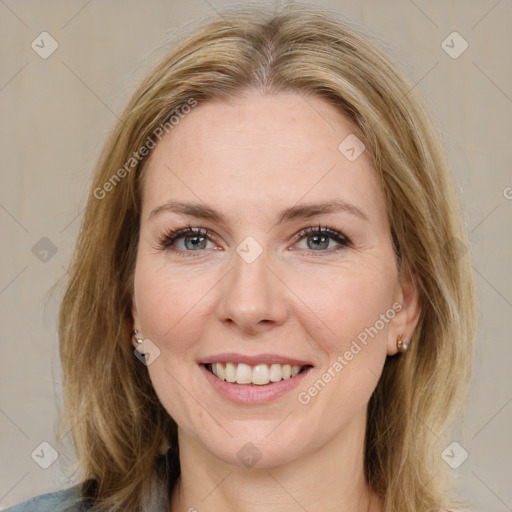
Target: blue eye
195 240
321 237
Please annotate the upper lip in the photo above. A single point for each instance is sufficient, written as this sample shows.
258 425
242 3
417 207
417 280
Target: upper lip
233 357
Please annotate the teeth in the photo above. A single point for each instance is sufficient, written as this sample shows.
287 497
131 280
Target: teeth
221 373
243 374
276 373
230 373
259 374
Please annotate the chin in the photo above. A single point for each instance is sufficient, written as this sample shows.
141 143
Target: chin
255 455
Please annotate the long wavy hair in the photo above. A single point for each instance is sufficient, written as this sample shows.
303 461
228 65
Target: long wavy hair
123 436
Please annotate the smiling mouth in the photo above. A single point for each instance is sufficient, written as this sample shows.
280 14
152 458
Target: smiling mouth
259 374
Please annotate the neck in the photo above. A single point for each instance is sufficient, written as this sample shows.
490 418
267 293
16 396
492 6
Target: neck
330 478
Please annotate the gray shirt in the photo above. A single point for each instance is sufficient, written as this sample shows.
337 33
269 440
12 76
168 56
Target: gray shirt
68 500
60 501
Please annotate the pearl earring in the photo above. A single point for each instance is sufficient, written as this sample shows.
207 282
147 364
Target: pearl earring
401 345
135 332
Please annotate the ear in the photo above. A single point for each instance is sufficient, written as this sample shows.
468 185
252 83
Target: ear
408 306
135 324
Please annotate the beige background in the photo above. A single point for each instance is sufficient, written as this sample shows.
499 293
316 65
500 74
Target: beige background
57 111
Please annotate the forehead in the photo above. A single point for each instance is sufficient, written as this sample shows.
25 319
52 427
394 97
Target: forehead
260 153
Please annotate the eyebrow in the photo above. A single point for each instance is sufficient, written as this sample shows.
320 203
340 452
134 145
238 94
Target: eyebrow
302 211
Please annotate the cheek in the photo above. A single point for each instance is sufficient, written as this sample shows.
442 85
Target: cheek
171 309
353 333
348 302
356 314
168 301
355 308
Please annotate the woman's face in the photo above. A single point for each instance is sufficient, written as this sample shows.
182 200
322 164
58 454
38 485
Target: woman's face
260 285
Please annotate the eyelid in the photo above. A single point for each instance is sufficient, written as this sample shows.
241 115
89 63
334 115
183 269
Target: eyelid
170 236
336 234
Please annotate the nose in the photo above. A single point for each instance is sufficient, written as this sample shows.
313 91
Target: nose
253 296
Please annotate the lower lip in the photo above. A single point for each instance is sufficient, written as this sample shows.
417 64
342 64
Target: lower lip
253 393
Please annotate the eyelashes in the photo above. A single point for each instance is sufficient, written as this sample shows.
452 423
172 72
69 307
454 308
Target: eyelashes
200 236
167 239
323 233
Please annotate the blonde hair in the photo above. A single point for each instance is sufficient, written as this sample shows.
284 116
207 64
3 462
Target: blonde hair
120 429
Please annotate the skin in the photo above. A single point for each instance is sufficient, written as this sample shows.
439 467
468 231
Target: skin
249 158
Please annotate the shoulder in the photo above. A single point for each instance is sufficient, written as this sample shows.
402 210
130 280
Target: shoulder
59 501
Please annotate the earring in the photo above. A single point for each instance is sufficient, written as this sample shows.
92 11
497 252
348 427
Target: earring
401 345
135 332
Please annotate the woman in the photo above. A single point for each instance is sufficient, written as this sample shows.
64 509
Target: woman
266 308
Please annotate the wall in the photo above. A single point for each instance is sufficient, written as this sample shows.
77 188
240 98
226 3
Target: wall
57 111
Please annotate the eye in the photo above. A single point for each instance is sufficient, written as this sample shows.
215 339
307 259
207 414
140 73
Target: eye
194 240
318 239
